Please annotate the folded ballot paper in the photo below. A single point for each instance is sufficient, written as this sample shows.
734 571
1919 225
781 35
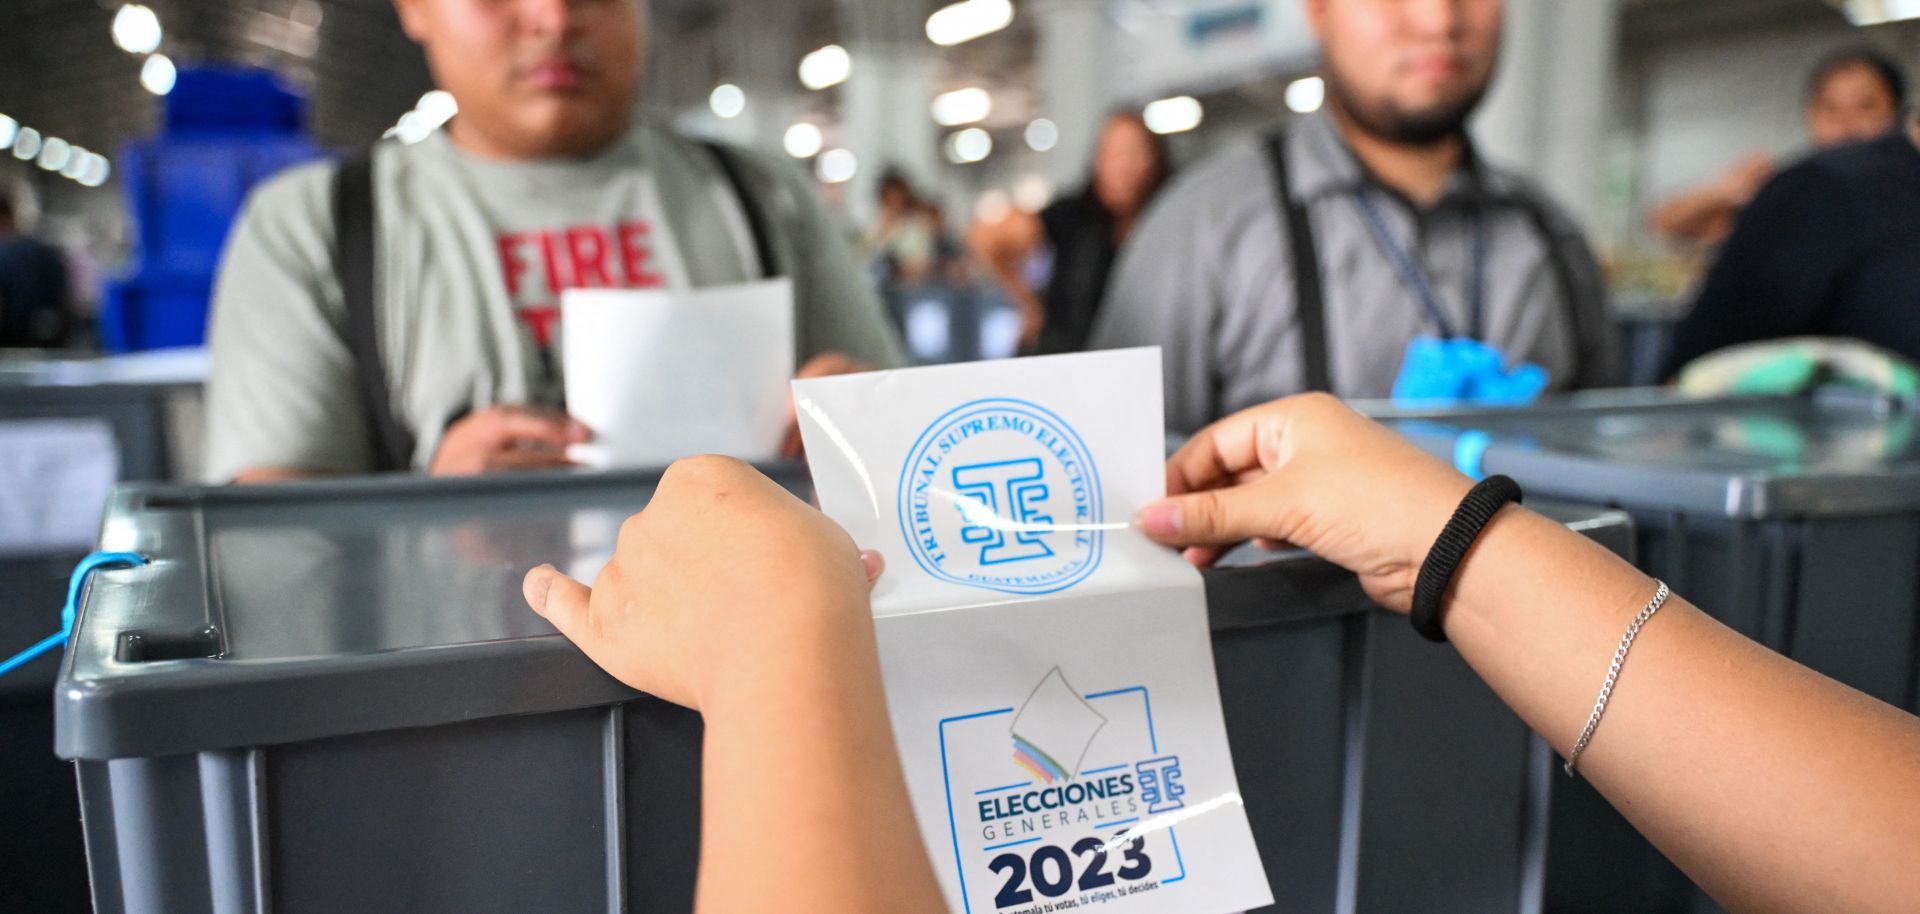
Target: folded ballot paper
1048 669
632 357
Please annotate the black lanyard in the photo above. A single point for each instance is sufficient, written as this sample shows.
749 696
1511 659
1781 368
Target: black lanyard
1415 278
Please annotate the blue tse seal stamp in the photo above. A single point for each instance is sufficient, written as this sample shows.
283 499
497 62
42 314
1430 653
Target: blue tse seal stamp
1001 494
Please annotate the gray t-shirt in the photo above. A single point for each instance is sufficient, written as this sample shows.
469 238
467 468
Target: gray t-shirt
1208 276
468 267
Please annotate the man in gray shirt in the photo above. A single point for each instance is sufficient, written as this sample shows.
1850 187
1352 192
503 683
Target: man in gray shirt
542 182
1390 228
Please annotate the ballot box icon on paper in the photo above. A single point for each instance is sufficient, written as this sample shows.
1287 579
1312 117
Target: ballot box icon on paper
1053 729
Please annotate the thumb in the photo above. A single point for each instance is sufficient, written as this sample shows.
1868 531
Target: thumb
1211 518
559 599
874 563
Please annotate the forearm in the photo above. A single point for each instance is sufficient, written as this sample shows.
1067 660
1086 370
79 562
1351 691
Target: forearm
1773 787
820 828
1695 216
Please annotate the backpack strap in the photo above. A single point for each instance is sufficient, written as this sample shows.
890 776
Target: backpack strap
354 227
1309 297
1569 291
757 222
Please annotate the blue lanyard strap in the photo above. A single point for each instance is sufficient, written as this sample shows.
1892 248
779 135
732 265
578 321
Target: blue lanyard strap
1416 279
74 584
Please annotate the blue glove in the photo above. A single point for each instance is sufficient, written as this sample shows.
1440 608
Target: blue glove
1464 371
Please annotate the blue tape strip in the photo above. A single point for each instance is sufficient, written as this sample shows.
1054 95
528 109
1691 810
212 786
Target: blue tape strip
74 585
1470 452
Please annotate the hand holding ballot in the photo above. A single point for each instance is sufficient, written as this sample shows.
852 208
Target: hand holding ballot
506 438
806 802
678 614
777 652
1309 471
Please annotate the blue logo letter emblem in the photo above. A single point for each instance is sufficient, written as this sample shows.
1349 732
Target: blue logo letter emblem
1160 786
1005 495
1001 494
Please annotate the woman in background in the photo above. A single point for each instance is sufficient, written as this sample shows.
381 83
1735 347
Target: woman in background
1074 240
1853 95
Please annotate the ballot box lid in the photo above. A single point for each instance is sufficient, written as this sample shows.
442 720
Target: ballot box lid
1742 458
281 613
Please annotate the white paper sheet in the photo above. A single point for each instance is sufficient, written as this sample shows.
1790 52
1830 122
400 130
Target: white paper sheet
55 476
1049 670
660 375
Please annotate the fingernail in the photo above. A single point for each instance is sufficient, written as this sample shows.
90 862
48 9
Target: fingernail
535 587
873 562
578 431
1160 519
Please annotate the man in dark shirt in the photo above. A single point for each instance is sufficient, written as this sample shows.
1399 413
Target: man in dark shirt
33 287
1831 247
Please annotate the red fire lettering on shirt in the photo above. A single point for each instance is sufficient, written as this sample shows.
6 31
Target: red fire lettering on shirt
549 256
540 319
510 262
634 253
588 246
588 252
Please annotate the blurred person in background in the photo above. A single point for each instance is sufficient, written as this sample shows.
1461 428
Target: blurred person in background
543 181
1853 95
1386 227
1054 264
35 300
1829 248
904 242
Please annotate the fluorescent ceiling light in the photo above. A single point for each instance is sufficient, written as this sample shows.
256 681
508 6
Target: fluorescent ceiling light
836 166
1172 115
97 172
969 146
727 100
78 163
829 66
1876 12
158 74
1305 96
55 153
970 19
26 144
136 29
961 106
803 140
1042 135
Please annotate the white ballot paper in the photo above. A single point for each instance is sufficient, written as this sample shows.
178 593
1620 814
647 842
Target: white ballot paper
1048 669
659 375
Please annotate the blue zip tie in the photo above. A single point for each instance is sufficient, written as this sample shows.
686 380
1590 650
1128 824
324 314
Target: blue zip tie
1470 452
74 584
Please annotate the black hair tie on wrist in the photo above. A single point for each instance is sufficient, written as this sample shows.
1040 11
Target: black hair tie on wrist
1483 501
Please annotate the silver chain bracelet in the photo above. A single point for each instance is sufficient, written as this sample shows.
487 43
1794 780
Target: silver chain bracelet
1613 674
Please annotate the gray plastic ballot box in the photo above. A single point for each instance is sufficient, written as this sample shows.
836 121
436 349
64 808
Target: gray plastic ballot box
151 414
1795 520
152 403
329 697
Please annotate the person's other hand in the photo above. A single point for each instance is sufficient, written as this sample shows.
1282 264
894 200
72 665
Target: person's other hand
721 586
506 438
1308 470
1742 182
826 364
1032 322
